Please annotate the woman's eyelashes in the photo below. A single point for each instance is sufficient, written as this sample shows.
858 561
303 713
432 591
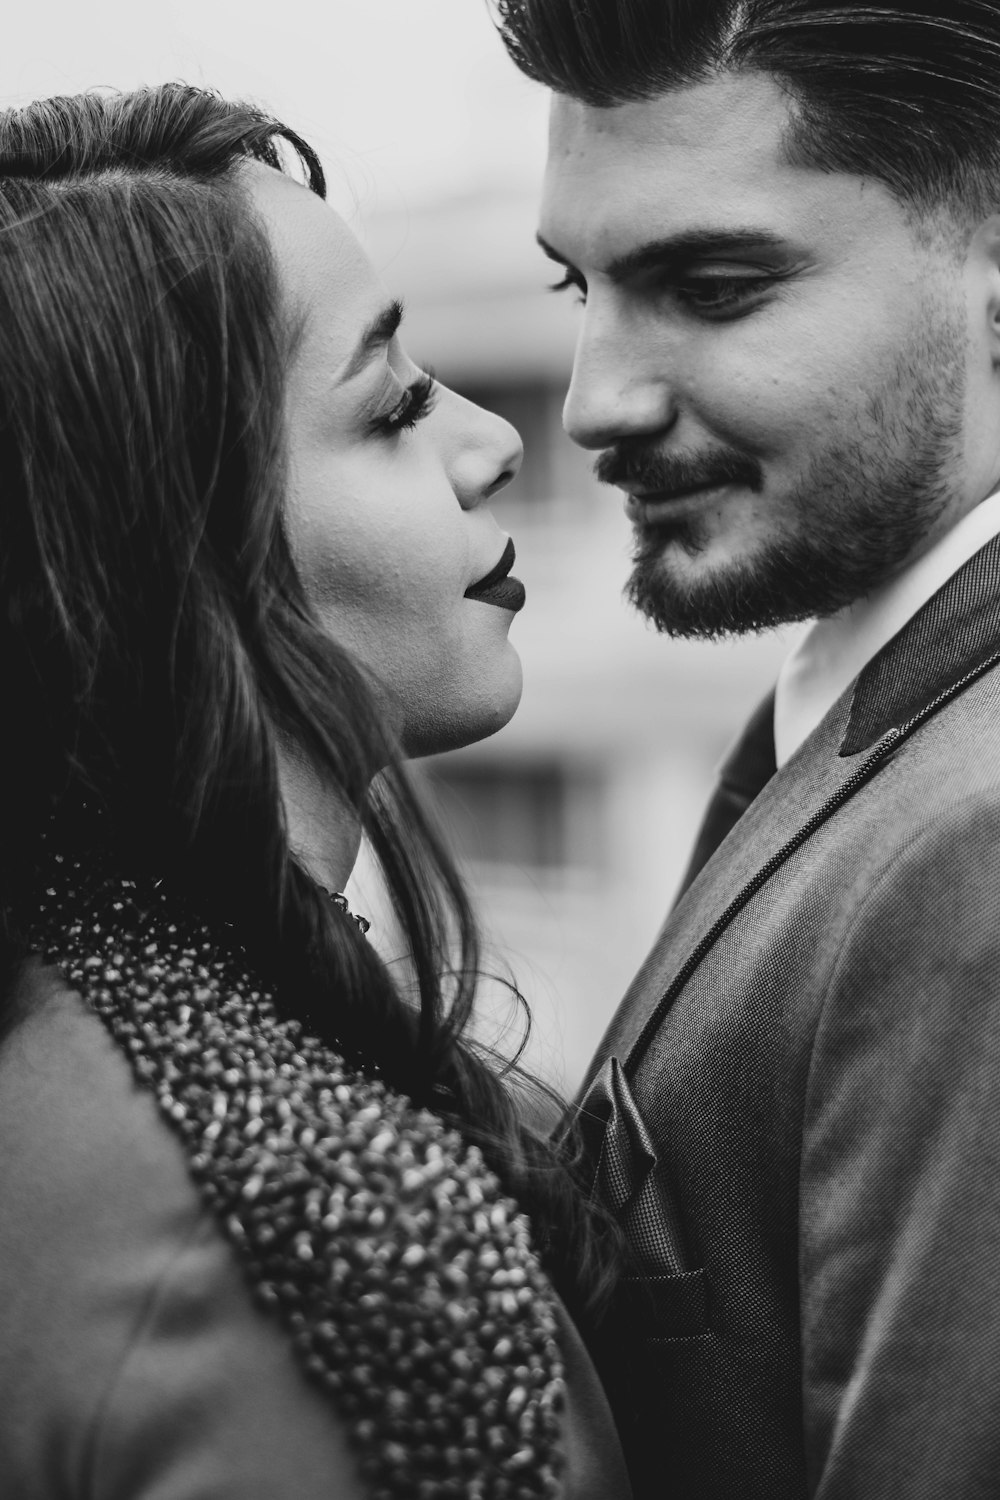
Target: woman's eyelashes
416 402
570 280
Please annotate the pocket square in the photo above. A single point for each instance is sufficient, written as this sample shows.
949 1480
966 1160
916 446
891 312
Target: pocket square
628 1178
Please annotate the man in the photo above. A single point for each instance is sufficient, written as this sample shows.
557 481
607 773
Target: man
783 221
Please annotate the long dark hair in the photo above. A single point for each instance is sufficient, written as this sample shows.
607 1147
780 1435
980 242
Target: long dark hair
156 639
905 93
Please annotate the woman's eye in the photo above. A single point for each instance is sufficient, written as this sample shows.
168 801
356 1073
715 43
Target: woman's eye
722 294
416 402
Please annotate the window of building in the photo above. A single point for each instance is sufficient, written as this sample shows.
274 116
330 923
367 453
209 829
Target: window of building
543 815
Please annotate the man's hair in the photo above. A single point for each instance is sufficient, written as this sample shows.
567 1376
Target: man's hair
906 94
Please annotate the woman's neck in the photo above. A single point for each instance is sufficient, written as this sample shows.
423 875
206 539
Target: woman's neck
322 832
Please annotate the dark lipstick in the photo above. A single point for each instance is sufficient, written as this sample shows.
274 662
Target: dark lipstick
498 587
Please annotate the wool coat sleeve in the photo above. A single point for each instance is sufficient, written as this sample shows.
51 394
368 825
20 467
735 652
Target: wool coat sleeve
133 1364
900 1180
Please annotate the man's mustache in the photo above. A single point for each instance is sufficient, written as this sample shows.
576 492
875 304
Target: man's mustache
643 468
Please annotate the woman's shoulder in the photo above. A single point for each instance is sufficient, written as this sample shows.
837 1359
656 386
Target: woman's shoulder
132 1357
72 1116
84 1158
232 1207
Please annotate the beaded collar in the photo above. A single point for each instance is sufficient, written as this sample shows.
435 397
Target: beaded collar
404 1277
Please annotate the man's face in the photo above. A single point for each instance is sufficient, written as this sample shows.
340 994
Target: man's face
775 364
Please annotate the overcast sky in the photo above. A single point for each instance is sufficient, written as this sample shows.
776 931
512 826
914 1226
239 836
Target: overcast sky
410 99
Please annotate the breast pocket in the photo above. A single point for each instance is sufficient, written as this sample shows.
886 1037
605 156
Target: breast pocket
661 1308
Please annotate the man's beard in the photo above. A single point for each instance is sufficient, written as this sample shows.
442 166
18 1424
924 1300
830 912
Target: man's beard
862 509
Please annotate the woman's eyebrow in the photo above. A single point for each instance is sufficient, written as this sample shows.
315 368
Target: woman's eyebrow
374 337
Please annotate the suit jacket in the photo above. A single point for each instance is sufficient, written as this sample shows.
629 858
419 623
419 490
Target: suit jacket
796 1111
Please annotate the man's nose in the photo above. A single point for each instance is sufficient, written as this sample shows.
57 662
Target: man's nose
620 388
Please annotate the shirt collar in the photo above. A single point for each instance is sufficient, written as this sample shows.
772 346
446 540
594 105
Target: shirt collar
831 653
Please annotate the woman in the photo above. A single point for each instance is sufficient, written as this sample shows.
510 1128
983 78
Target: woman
250 1244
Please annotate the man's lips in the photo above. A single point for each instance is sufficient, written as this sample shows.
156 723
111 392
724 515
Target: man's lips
644 506
498 587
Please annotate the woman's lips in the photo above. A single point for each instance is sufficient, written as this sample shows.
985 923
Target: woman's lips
506 593
498 587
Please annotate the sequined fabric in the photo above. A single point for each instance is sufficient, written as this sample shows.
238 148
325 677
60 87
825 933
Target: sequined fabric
403 1276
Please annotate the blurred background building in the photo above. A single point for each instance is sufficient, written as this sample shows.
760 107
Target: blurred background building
575 822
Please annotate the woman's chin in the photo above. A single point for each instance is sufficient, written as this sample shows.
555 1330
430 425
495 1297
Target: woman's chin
461 718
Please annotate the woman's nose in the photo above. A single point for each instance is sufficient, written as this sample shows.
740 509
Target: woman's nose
511 456
487 458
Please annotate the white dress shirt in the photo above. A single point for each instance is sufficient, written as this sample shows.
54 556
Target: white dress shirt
832 652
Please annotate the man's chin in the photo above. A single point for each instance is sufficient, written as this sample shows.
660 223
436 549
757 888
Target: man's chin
690 602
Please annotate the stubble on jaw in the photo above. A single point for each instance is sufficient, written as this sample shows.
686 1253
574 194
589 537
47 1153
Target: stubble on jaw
864 506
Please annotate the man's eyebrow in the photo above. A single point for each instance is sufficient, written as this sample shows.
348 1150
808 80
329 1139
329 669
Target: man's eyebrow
676 249
374 337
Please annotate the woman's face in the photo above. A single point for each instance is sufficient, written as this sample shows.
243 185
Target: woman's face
389 484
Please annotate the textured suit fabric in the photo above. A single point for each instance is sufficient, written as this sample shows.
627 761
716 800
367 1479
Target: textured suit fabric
796 1110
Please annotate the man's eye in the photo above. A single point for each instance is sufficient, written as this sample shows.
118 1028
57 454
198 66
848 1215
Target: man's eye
570 280
722 294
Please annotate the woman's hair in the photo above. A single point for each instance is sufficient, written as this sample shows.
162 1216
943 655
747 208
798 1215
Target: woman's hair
156 640
905 93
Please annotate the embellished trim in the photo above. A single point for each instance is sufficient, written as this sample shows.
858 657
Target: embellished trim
339 900
404 1277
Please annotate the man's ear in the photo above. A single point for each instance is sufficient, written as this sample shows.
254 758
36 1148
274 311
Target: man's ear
984 264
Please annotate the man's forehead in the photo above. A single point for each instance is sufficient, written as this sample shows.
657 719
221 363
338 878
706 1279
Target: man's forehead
704 159
655 159
734 113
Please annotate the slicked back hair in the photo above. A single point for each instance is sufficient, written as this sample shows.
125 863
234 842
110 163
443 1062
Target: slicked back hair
907 94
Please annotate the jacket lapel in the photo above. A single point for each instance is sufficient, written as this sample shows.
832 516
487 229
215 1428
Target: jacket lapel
812 780
955 632
953 638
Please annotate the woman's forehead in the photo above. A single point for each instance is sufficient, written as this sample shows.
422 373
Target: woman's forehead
326 278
